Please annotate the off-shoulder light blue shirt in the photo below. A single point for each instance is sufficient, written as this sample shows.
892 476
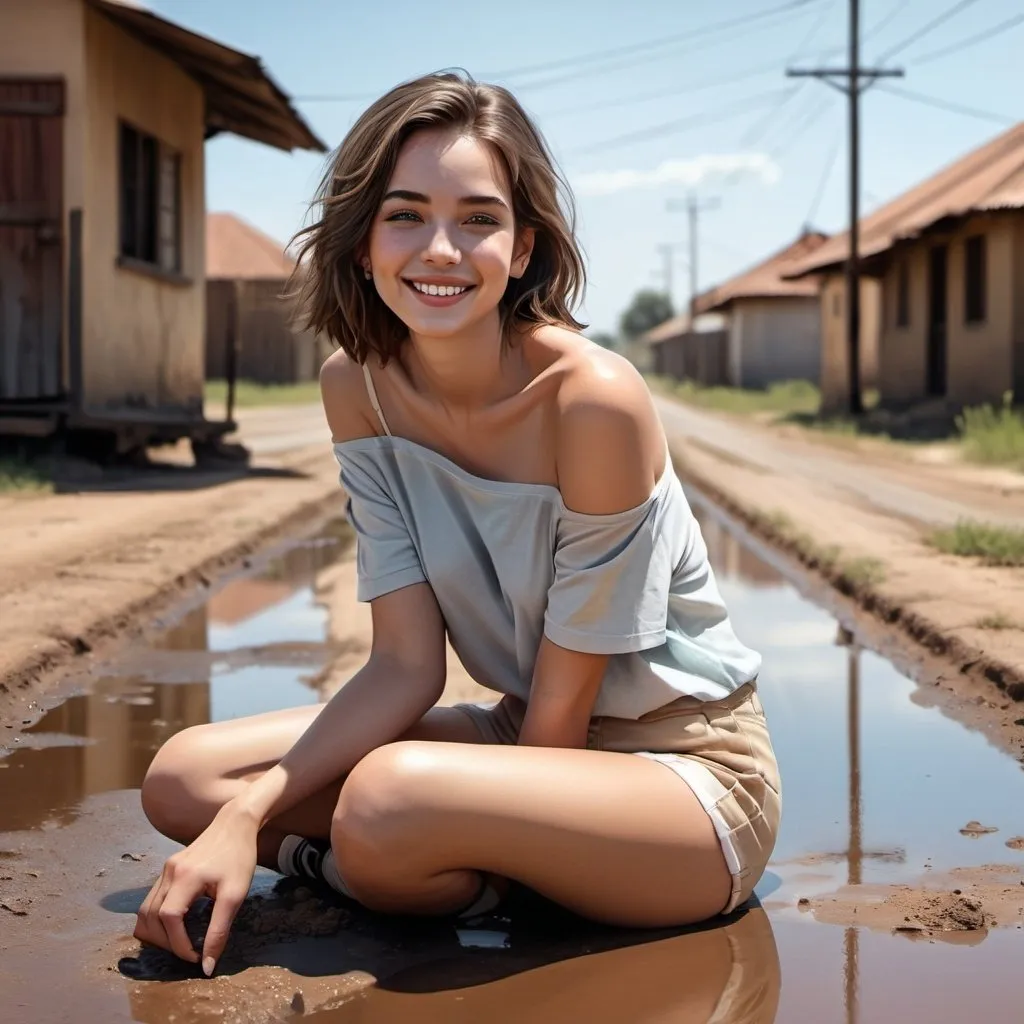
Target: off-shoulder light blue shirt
509 563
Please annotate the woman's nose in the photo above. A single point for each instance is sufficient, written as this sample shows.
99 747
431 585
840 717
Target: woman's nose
441 248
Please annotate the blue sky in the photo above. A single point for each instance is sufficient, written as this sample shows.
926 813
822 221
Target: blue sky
769 149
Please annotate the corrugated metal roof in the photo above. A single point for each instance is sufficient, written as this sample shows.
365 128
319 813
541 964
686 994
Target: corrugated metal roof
988 178
236 251
765 280
240 96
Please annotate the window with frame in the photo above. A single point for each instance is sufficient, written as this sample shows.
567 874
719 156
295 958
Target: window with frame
150 200
975 275
903 295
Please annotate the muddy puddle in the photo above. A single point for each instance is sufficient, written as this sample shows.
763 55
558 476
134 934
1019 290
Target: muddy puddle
901 815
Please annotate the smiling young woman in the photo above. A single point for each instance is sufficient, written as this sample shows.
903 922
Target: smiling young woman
510 487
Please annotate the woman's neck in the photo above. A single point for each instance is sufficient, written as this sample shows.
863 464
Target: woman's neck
466 372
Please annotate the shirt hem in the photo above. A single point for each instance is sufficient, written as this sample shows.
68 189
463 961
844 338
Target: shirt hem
370 589
602 643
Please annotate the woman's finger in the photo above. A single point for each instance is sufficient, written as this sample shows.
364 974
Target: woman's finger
172 919
147 926
226 902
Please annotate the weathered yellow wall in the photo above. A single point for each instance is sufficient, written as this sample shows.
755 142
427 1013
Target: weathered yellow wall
979 367
979 364
835 363
902 365
49 39
142 338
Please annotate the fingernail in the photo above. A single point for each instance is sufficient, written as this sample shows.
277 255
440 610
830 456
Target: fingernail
208 965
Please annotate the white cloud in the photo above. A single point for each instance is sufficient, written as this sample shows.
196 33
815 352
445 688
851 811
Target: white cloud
689 172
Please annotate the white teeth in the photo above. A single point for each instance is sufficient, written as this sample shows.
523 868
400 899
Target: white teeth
439 289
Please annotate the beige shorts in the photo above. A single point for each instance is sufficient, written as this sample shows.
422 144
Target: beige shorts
720 749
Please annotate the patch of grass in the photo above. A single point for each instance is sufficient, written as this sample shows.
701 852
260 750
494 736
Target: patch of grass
994 545
863 571
783 398
997 621
249 394
994 436
19 476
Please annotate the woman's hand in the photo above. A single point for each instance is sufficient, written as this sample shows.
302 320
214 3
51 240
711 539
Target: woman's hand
219 864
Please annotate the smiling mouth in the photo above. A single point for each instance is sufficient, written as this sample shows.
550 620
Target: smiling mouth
440 291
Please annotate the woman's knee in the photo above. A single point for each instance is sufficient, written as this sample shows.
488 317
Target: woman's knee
176 793
382 804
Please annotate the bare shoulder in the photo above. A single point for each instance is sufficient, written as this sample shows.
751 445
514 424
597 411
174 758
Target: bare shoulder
346 403
611 448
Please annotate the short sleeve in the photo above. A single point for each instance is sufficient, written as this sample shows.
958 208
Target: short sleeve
386 556
611 584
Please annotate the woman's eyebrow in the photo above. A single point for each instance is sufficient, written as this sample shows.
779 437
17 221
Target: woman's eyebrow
419 197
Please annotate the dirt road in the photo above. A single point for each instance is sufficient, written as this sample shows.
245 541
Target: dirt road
77 569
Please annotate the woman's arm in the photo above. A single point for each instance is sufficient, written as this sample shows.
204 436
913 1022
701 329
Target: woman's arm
403 678
610 455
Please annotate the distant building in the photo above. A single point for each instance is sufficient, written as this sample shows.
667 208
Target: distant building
948 256
696 351
773 325
246 273
104 112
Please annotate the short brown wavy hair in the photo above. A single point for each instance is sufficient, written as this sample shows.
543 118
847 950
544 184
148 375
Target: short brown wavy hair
334 296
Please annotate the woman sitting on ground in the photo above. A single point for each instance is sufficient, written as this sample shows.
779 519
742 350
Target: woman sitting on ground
510 488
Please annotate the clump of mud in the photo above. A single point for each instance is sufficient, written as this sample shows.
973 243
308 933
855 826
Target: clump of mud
943 912
965 901
286 913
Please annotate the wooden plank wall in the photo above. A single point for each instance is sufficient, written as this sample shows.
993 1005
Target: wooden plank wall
31 258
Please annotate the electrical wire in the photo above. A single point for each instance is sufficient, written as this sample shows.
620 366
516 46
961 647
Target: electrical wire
826 174
690 87
650 44
679 124
950 12
955 108
988 33
590 61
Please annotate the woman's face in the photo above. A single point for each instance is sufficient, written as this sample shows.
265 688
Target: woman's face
444 242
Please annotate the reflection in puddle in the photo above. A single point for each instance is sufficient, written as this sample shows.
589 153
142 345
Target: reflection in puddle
877 788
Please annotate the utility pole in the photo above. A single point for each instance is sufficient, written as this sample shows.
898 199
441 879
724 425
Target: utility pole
693 207
855 80
667 256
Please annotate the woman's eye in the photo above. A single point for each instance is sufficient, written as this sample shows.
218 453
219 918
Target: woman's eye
403 215
482 218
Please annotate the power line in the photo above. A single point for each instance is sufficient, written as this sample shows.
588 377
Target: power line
925 29
677 125
988 33
746 24
657 94
826 173
955 108
811 117
649 44
630 63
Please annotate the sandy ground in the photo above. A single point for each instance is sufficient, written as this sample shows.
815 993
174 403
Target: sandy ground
79 569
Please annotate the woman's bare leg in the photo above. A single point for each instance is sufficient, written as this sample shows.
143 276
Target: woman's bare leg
615 837
201 768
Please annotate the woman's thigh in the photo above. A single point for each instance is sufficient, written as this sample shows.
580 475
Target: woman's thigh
201 768
615 837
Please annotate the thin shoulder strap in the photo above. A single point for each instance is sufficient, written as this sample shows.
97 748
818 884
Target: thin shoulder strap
374 401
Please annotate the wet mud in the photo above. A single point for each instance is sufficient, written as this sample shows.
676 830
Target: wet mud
902 842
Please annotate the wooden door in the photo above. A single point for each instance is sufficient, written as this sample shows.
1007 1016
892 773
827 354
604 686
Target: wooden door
31 200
